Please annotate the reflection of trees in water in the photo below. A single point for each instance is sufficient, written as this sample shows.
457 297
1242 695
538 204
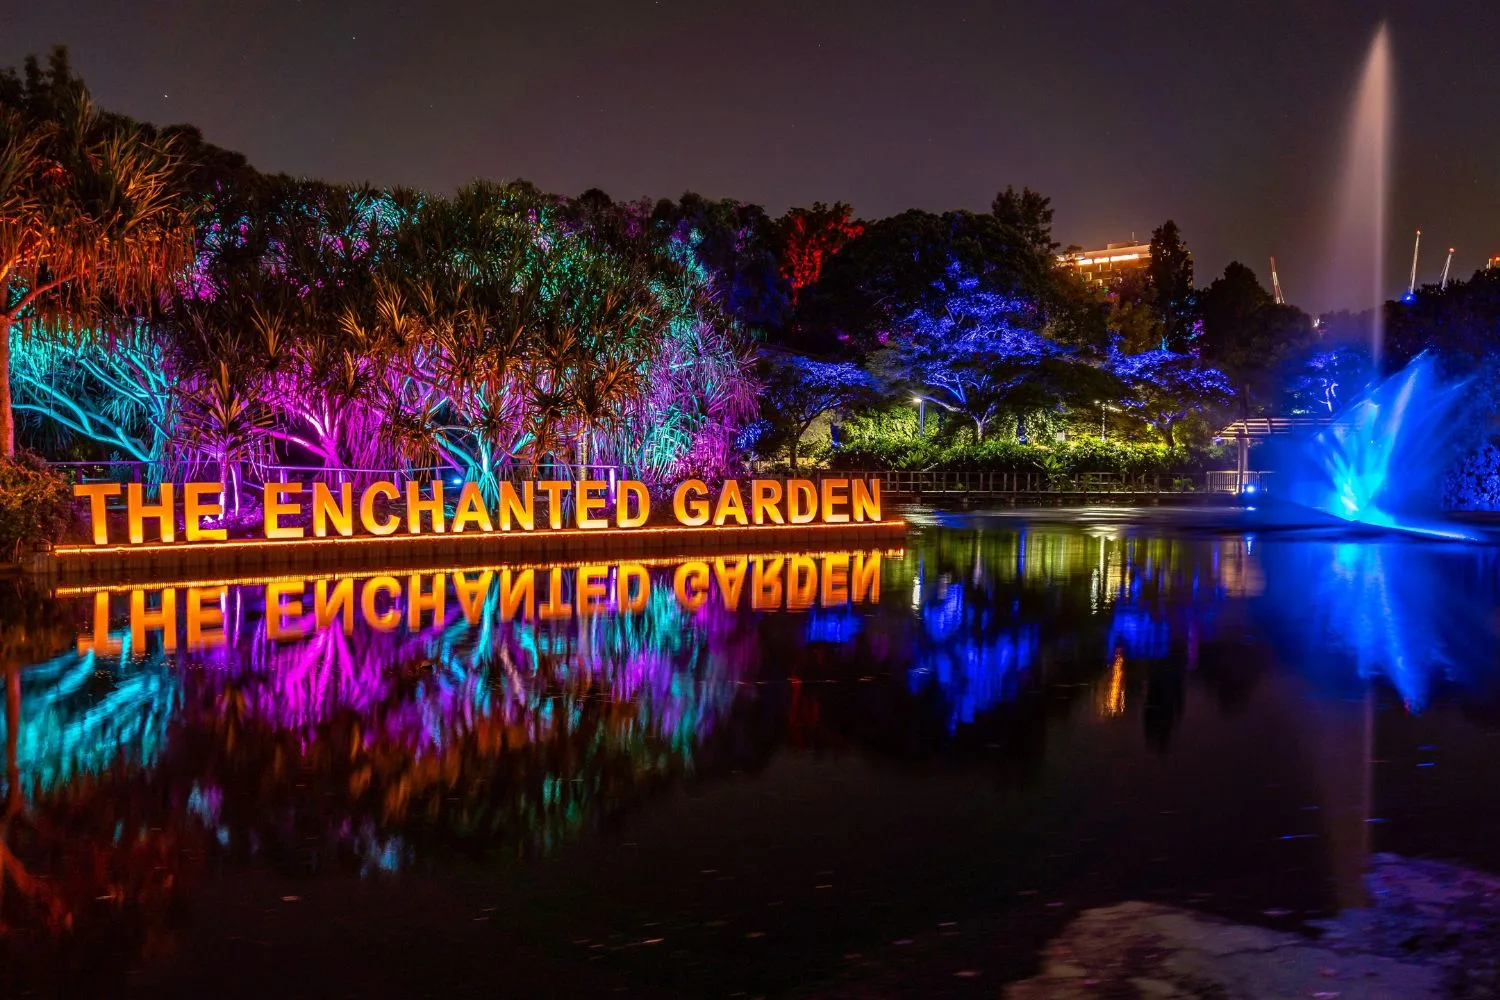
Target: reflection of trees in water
362 752
375 750
514 734
74 840
499 733
975 621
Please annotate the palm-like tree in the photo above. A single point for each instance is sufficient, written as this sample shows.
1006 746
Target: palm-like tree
92 209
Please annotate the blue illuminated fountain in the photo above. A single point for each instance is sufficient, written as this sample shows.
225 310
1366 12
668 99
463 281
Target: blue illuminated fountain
1381 463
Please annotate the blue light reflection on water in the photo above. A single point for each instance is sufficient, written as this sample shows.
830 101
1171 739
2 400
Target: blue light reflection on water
1415 613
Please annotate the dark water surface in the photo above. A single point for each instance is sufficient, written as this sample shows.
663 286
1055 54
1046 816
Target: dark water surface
735 777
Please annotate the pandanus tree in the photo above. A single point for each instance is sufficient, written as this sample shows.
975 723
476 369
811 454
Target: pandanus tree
94 210
457 303
698 393
600 319
290 273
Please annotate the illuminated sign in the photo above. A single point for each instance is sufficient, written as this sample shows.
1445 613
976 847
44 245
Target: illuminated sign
316 510
295 608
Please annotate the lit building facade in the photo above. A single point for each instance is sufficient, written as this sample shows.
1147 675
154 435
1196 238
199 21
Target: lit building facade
1110 265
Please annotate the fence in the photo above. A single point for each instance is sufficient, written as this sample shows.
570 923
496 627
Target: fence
1044 483
252 478
897 483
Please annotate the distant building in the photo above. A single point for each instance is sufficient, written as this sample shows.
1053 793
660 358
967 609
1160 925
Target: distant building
1494 261
1110 265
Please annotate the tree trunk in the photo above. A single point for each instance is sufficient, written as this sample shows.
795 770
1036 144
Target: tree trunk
1166 434
796 439
978 430
7 415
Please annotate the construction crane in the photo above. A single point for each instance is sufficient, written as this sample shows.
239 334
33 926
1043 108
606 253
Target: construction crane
1446 264
1411 288
1276 284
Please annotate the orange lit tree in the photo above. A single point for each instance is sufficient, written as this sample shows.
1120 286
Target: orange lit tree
91 209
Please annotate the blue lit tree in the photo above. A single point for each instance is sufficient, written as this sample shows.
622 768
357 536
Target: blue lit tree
1323 381
800 390
980 354
1162 387
119 391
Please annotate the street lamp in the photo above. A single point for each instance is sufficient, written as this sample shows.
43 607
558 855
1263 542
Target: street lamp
921 402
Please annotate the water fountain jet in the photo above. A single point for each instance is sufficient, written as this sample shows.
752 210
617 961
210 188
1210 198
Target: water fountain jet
1356 253
1382 461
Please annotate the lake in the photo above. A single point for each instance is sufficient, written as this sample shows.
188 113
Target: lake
795 773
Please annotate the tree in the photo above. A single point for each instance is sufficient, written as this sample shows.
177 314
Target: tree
901 266
1026 218
1133 315
1459 321
1322 380
1247 334
122 394
808 237
1162 388
93 209
804 389
1171 272
733 247
981 354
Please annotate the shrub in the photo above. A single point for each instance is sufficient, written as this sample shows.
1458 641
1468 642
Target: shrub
36 504
1089 455
1474 483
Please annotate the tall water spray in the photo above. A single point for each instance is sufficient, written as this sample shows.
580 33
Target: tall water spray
1357 252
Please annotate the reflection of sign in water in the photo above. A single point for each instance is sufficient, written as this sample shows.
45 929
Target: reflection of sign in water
293 510
297 607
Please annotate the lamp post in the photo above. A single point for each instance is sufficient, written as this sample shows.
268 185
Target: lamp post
921 402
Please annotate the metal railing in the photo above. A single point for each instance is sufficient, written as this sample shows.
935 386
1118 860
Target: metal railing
907 483
139 472
894 482
1232 481
253 478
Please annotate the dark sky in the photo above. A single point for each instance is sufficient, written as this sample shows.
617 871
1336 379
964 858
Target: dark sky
1224 115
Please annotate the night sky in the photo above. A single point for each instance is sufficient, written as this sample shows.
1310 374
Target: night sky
1224 116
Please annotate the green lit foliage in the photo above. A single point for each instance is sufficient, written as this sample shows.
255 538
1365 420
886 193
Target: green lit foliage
485 333
36 504
887 438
